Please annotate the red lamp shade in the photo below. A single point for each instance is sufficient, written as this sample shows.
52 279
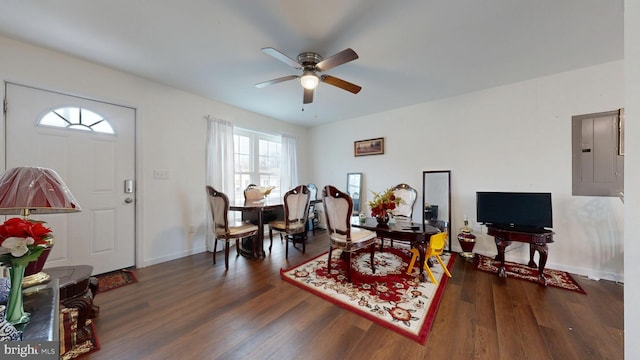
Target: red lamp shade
25 190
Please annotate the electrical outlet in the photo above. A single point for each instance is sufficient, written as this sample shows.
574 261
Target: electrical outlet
161 174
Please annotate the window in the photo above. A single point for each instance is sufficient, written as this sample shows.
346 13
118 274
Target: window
257 160
76 118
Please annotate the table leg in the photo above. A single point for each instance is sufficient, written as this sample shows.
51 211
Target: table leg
543 250
93 287
532 251
422 251
501 245
84 304
258 249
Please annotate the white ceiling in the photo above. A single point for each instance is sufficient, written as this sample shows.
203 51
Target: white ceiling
411 51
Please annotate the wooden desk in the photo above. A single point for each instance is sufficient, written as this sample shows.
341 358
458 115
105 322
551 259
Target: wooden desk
537 239
416 234
250 248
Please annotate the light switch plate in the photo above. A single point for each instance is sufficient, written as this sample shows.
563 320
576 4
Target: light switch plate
161 174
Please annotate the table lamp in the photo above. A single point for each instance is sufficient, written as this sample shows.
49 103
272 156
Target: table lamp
35 190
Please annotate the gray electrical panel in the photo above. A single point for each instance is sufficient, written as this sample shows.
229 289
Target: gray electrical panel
598 163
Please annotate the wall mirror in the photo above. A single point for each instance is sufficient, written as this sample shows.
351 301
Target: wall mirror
436 200
354 189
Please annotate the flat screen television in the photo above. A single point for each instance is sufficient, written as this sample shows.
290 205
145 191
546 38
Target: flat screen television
514 209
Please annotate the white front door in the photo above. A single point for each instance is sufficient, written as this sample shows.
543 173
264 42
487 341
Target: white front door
94 166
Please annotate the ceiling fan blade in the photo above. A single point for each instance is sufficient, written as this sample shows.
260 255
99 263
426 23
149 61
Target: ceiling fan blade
282 57
308 96
275 81
342 84
340 58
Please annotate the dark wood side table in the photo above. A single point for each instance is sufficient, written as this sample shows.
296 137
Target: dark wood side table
77 289
537 239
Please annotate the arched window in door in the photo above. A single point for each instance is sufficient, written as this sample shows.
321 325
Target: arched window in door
76 118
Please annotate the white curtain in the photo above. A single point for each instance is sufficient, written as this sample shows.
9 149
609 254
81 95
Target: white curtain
288 164
219 164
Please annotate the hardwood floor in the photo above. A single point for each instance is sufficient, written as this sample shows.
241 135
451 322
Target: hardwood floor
190 309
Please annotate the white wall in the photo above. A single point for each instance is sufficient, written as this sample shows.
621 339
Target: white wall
632 178
509 138
171 134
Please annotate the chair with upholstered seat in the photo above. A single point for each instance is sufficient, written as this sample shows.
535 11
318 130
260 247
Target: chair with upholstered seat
219 206
435 248
296 213
409 195
313 213
338 207
404 210
252 193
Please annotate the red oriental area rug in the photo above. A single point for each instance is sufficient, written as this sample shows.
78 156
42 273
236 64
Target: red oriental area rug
115 279
390 297
555 278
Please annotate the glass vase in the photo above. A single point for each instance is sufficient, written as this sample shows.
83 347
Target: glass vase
15 312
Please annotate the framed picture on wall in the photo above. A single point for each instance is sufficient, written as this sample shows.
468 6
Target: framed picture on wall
368 147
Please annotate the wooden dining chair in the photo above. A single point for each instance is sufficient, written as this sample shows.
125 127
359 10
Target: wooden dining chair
252 193
296 213
219 206
338 207
404 210
313 213
409 195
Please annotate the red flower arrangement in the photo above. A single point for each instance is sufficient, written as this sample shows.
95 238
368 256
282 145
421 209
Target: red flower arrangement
383 203
22 241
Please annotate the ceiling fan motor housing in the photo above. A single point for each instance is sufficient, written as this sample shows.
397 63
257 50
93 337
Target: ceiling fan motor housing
309 60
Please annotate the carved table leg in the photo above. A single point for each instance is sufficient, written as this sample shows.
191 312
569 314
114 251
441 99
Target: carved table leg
84 304
532 251
93 287
501 245
422 251
543 250
258 240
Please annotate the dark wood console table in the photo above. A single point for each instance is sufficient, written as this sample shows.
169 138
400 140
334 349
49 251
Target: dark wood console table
537 239
77 288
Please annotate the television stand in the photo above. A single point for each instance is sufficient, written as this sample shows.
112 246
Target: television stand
538 238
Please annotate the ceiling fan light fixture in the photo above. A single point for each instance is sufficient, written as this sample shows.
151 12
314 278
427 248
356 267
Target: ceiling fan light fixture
309 80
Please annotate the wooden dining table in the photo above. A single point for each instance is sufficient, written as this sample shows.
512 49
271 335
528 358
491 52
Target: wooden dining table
416 234
261 208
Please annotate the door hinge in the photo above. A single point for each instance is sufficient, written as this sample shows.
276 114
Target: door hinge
4 106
